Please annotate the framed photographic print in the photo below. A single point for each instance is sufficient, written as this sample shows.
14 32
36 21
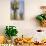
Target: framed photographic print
17 10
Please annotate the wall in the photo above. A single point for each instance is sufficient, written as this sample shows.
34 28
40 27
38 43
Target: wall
27 26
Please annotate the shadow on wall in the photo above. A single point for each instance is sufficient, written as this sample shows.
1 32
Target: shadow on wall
34 22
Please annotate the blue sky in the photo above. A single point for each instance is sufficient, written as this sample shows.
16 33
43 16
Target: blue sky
21 5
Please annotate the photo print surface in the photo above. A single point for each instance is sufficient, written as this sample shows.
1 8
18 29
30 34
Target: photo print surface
17 10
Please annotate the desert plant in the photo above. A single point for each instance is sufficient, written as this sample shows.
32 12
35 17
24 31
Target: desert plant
11 31
14 7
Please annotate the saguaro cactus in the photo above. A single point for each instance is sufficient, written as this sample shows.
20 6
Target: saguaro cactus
14 7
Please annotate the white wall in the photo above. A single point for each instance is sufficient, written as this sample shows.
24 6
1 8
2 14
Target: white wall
26 26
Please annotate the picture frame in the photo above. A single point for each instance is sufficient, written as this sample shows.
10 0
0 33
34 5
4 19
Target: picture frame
17 10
